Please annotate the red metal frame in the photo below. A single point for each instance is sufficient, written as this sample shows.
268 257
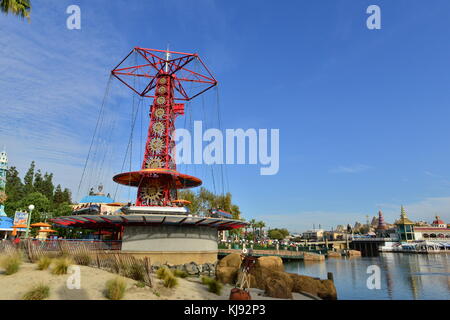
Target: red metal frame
155 66
165 77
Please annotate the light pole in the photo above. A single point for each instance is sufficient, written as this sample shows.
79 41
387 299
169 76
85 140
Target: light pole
31 208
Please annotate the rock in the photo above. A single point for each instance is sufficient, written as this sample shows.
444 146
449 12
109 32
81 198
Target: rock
272 263
327 290
323 289
227 275
191 268
354 253
227 268
309 256
277 288
334 254
232 260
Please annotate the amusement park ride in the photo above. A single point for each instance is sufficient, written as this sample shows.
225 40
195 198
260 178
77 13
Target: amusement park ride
159 224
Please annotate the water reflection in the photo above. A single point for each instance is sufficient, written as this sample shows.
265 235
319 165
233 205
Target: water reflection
403 276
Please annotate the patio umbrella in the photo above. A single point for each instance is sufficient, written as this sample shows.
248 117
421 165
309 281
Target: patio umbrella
41 224
47 230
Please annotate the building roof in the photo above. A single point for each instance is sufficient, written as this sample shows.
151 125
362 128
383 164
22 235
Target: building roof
96 199
438 221
403 218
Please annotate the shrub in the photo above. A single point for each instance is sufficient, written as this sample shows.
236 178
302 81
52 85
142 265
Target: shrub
83 258
61 265
44 262
136 272
162 272
170 281
206 280
11 263
215 286
180 274
115 289
39 292
140 284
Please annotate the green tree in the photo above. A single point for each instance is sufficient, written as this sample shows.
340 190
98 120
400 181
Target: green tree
47 186
278 234
29 180
67 196
20 8
58 197
41 203
38 182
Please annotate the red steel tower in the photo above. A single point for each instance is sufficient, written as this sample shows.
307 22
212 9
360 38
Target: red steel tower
168 77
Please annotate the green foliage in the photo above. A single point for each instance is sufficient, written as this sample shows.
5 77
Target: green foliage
278 234
180 274
39 292
44 262
204 200
37 189
11 263
136 272
140 284
206 280
61 265
170 281
115 289
215 286
162 272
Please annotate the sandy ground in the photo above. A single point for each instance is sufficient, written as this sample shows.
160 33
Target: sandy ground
13 287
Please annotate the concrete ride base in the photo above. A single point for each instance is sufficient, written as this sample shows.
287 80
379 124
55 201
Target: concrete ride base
173 244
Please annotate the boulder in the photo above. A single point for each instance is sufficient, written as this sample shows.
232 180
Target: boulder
310 256
232 260
354 253
327 290
191 268
227 275
277 288
334 254
323 289
227 268
272 263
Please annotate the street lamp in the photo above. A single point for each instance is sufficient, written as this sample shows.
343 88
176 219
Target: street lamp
31 208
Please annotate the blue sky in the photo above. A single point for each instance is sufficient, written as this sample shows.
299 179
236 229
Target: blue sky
363 114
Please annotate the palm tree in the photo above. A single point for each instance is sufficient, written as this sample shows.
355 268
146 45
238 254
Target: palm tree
20 8
261 225
253 226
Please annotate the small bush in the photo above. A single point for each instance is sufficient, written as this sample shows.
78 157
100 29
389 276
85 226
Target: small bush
83 258
215 286
140 284
61 265
180 274
43 263
115 289
170 281
206 280
39 292
11 263
136 272
162 272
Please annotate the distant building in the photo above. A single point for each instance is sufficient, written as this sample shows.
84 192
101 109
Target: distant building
437 231
405 227
313 235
